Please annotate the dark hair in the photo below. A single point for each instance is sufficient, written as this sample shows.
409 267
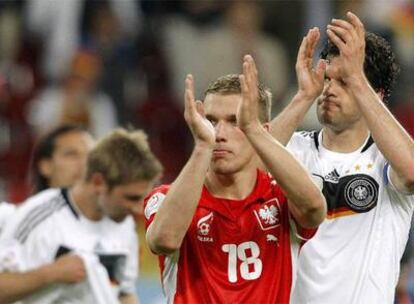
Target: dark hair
44 149
230 84
380 66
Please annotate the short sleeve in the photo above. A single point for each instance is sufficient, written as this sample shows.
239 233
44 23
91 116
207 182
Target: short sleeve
153 202
31 247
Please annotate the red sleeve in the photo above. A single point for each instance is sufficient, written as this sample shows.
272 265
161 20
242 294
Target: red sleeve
153 202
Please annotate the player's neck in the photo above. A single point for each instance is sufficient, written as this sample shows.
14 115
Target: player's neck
85 200
344 141
234 187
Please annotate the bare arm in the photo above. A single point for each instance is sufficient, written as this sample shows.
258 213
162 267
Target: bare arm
308 203
310 85
15 286
174 216
390 137
128 299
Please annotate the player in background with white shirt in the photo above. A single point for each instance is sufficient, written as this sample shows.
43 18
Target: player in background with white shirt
59 157
59 160
121 169
365 160
224 230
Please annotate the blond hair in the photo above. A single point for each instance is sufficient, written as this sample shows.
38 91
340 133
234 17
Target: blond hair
122 157
230 84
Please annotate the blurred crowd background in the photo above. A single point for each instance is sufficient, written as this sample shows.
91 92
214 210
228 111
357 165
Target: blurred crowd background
113 63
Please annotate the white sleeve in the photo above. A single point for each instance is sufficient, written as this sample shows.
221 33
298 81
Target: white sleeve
32 247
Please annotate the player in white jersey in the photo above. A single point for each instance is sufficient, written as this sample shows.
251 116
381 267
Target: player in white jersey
92 217
363 158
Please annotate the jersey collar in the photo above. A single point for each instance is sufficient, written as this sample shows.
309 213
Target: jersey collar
317 137
222 206
65 194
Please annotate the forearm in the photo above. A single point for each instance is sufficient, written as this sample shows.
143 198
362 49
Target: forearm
308 202
283 125
174 216
391 138
15 286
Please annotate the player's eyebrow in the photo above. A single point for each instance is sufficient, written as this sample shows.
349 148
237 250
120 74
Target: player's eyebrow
133 197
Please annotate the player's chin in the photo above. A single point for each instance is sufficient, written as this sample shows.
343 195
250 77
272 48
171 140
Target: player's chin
325 117
119 217
224 169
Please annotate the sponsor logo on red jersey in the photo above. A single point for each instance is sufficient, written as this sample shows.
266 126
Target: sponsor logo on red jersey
204 228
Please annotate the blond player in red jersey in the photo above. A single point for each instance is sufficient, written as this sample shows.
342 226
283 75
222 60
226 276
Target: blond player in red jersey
224 230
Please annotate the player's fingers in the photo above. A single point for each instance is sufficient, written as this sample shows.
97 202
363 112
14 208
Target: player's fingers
246 75
189 94
200 107
302 52
335 40
320 69
342 23
243 85
355 21
253 66
342 33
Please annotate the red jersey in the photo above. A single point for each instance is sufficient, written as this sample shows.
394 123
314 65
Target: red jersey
234 251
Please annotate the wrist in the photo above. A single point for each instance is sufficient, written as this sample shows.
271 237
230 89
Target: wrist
303 97
356 80
253 129
203 148
48 274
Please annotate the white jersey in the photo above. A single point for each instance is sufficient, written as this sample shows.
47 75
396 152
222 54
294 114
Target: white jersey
48 225
354 256
6 211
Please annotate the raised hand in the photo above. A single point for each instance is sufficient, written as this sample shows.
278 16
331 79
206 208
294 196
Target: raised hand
248 111
202 130
349 37
310 78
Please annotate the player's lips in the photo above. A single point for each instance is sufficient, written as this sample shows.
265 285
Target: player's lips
220 152
328 102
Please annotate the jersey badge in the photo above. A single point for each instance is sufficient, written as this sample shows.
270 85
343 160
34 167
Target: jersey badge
204 228
267 214
153 204
361 193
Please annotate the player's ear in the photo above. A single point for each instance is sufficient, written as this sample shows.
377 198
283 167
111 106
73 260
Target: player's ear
45 167
267 126
99 183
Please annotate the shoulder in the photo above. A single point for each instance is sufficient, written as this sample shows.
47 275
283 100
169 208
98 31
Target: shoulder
269 187
34 213
6 212
305 138
154 200
6 208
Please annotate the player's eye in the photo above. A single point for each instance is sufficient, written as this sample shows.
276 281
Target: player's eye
212 120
